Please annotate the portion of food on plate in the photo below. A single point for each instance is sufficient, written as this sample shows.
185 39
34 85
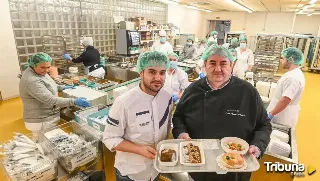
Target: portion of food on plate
235 146
233 160
168 155
192 153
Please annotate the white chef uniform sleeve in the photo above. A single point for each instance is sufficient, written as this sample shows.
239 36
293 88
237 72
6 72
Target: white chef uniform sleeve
184 81
250 59
115 126
169 48
290 88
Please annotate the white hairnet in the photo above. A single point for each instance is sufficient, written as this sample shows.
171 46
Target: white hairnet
162 33
87 41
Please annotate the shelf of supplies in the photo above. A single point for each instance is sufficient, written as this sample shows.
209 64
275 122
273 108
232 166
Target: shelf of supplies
146 41
155 30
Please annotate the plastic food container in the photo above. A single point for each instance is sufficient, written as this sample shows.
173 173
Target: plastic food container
171 146
182 153
226 140
70 161
42 171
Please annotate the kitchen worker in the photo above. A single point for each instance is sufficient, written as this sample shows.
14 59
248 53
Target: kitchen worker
39 94
189 50
202 46
200 65
213 36
162 45
90 57
234 43
234 53
138 121
245 60
284 106
176 78
221 105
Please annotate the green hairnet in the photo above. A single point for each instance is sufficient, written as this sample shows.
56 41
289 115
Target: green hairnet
173 55
294 55
233 51
38 58
190 38
212 43
217 50
243 38
152 59
234 42
214 33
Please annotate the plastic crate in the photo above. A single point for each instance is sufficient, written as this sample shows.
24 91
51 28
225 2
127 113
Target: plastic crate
80 156
43 171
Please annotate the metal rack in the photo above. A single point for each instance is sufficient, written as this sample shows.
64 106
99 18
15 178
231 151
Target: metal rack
230 35
268 52
302 42
315 62
33 19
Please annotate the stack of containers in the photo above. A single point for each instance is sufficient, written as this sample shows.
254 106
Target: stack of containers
95 97
279 143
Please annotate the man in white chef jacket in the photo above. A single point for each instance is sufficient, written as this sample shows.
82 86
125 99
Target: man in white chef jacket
284 106
176 78
138 121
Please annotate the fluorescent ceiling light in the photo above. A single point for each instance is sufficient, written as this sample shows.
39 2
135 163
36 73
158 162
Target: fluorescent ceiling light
170 2
239 6
192 7
309 15
313 1
207 10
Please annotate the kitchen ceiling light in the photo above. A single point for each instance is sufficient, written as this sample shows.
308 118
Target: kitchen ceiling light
240 6
192 7
313 1
309 15
206 10
170 2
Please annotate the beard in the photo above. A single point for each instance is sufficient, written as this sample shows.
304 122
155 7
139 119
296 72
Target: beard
151 85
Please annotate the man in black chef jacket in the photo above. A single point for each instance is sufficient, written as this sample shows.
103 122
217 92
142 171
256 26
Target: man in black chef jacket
221 105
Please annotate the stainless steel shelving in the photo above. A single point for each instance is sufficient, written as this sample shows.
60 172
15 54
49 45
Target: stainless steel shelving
31 19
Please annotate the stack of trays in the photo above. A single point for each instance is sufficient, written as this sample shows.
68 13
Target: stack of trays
278 135
95 97
278 147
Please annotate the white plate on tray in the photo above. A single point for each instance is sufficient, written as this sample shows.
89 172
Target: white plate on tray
226 140
171 146
182 153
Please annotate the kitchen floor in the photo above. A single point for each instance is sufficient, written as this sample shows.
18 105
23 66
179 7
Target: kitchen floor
308 133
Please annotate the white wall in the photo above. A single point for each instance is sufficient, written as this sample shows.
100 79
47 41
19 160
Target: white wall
9 66
188 20
307 24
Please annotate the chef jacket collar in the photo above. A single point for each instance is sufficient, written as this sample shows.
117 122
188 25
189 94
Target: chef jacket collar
143 94
220 87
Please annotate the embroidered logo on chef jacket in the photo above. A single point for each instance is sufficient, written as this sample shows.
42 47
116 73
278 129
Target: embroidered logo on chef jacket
145 124
141 113
235 112
112 122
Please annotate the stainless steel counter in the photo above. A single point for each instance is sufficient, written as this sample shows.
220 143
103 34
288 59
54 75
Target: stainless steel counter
116 72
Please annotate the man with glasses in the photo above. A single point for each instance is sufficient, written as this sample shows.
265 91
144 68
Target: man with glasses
221 105
162 45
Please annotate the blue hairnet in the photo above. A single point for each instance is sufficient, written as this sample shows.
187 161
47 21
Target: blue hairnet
152 59
293 55
38 58
217 50
214 33
173 55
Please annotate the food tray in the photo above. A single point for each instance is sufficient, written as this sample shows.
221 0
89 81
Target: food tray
81 155
46 170
211 153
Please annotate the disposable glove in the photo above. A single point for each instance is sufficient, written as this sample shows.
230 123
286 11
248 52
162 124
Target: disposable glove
82 102
66 56
68 87
201 75
270 116
174 98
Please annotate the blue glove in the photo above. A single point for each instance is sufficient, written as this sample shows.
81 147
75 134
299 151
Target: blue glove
174 97
68 87
82 102
270 116
201 75
66 56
